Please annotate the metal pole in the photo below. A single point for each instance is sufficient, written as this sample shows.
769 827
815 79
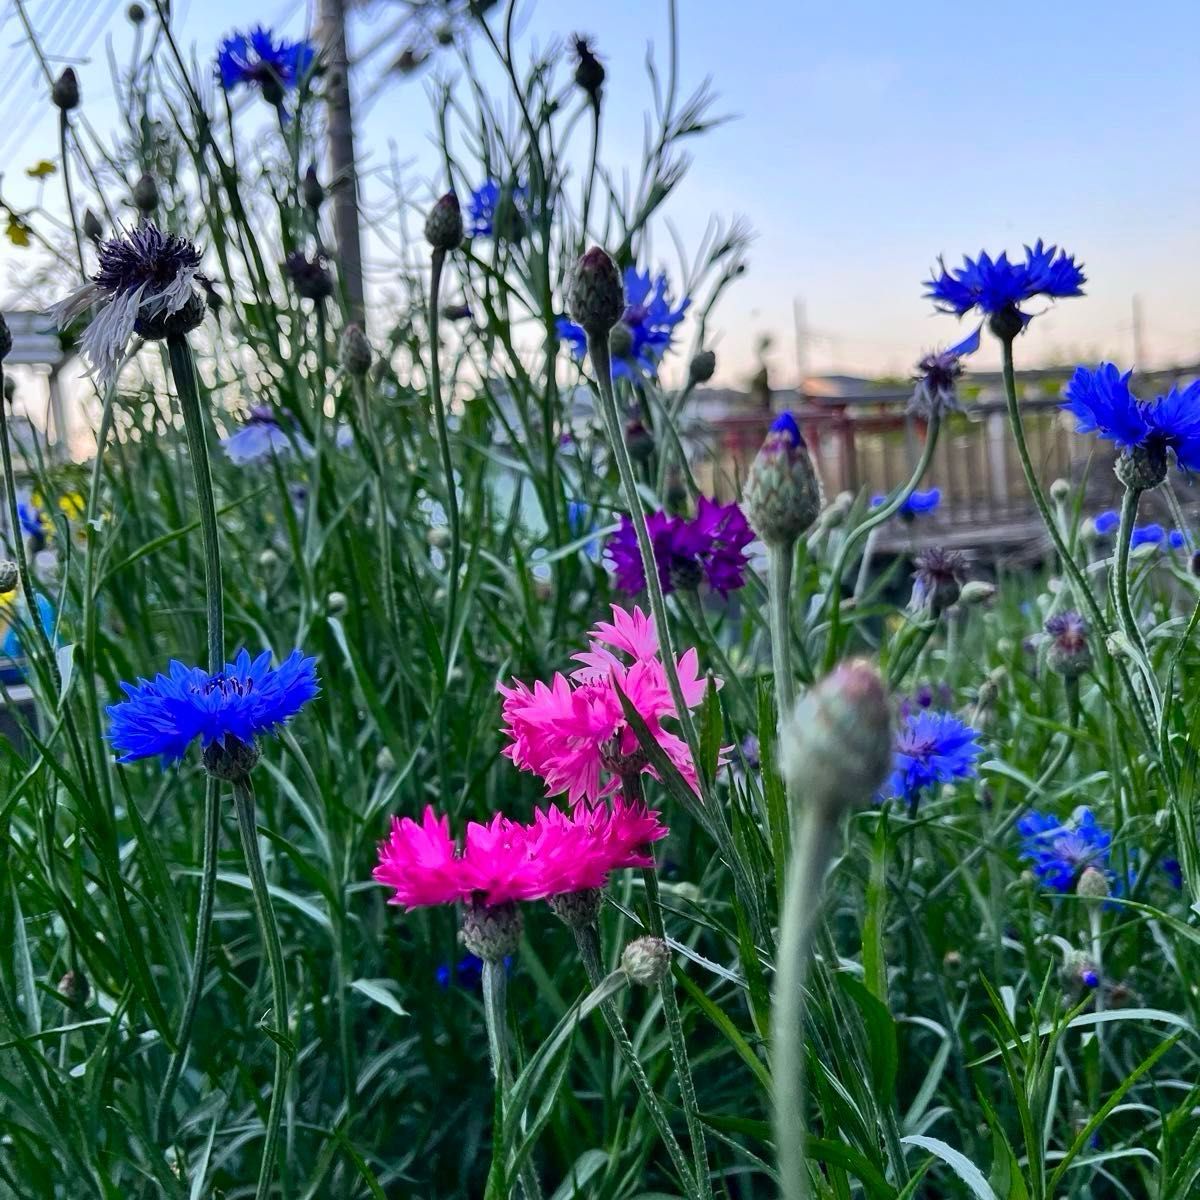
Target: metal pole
343 181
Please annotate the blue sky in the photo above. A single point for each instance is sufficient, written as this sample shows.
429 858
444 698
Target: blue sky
869 137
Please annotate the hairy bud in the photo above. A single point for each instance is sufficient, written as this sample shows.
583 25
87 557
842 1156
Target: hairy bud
702 367
444 225
8 575
647 961
145 195
782 496
491 933
596 297
65 92
577 909
1092 885
231 760
1141 467
355 351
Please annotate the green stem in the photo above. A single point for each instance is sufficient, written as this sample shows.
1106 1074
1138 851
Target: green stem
184 372
382 508
872 521
66 168
683 1066
779 585
602 364
443 436
243 802
1129 623
588 941
495 1014
801 910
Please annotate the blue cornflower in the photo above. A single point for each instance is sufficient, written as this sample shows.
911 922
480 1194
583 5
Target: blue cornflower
916 505
998 287
643 335
581 521
930 748
1106 522
489 204
256 58
1174 872
33 521
261 438
467 973
1060 852
165 715
1176 539
1147 535
1103 403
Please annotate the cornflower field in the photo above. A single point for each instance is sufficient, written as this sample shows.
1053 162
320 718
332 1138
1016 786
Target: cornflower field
423 773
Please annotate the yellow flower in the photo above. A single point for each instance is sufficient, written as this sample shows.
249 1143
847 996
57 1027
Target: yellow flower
17 231
72 505
41 169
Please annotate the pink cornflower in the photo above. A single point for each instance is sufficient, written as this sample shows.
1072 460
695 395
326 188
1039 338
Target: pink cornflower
573 733
504 860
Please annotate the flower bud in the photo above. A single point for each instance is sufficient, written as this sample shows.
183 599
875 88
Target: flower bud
75 987
782 495
596 296
1069 653
336 603
1142 467
1092 885
975 592
620 340
639 441
491 933
268 558
65 92
314 193
702 368
444 225
589 70
145 195
355 351
577 909
9 575
91 226
456 312
310 276
135 14
1078 971
231 760
385 760
647 961
836 746
1060 489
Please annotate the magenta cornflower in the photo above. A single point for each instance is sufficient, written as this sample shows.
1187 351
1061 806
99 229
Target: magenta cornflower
712 545
572 731
504 860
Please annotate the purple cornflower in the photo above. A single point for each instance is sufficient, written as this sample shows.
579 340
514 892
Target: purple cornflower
711 545
1059 852
256 59
937 377
924 697
1103 404
643 335
262 438
998 287
930 748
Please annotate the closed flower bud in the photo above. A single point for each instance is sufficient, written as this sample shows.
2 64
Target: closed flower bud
577 909
702 368
589 70
596 297
1142 467
444 225
975 592
91 225
8 575
268 558
75 987
385 760
355 351
1079 972
647 961
1069 653
1092 885
782 496
491 933
145 195
336 603
952 962
65 92
1060 489
136 14
836 746
231 760
639 441
314 193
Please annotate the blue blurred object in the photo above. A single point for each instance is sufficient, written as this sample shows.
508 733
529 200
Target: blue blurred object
12 649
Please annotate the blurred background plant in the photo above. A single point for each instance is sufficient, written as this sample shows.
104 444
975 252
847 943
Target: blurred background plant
416 488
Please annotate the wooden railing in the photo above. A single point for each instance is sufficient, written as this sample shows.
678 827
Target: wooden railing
870 444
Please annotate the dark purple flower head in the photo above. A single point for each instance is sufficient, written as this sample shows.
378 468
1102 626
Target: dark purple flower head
310 276
938 579
998 287
937 378
711 545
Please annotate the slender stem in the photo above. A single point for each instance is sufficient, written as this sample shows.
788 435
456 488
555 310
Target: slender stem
801 910
683 1065
184 372
872 521
495 1014
1129 623
443 436
243 802
602 364
588 941
779 585
66 169
382 508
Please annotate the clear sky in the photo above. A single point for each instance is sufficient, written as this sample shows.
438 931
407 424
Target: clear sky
870 136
